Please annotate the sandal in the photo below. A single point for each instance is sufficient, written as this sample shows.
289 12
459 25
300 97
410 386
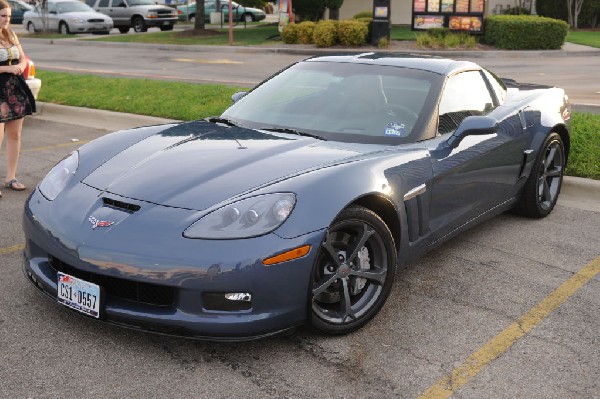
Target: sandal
13 185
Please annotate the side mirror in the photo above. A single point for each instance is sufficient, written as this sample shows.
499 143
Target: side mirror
236 96
473 126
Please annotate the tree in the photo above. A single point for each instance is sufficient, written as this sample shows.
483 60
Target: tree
574 8
334 8
199 21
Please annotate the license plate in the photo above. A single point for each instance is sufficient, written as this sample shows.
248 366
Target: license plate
79 294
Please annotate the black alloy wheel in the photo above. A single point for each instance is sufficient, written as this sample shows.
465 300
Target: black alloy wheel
544 183
353 272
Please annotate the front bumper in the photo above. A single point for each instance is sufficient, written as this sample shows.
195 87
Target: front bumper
132 252
154 22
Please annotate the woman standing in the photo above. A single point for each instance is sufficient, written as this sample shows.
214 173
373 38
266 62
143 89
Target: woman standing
16 100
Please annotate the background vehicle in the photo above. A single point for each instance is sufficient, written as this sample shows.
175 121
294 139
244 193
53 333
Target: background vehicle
18 10
137 14
67 16
296 204
240 13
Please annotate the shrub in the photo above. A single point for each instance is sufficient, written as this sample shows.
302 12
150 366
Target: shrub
325 34
436 38
289 34
383 42
305 32
524 32
352 33
363 14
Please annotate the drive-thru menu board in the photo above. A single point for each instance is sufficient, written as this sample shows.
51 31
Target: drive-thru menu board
459 15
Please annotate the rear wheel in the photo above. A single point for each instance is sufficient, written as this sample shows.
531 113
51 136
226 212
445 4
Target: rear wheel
192 18
138 25
353 272
543 185
63 28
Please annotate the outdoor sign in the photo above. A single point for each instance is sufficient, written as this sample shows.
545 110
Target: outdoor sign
458 15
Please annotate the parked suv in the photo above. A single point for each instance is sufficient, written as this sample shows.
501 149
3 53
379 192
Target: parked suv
137 14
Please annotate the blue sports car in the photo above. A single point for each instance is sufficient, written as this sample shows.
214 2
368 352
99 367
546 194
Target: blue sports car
296 205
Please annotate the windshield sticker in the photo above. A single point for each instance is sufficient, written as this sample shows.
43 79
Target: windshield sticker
394 129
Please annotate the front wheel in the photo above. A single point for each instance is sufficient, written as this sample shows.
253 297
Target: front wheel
138 25
543 185
353 272
31 27
247 18
63 28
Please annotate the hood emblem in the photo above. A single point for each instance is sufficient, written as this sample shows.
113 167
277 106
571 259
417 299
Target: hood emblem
99 223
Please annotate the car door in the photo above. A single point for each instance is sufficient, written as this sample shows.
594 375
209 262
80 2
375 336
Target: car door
481 172
53 17
120 13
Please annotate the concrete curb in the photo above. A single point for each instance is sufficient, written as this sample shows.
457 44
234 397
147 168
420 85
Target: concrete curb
576 192
94 118
569 50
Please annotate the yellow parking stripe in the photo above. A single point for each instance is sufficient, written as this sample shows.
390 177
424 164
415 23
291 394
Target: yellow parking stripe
14 248
445 387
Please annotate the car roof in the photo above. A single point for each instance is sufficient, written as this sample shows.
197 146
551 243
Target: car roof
439 65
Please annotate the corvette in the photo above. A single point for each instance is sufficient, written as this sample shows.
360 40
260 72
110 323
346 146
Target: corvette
297 204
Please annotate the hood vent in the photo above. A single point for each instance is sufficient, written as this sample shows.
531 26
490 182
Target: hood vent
120 205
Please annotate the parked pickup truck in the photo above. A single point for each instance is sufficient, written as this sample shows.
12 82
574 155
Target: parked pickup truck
137 14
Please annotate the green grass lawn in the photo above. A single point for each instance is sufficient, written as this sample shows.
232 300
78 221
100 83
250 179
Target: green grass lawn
189 101
587 38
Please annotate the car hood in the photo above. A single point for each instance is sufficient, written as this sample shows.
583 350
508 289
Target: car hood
84 15
199 164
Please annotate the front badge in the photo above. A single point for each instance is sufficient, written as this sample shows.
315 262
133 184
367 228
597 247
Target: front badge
99 223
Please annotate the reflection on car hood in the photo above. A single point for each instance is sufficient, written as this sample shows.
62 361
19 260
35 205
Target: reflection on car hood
198 164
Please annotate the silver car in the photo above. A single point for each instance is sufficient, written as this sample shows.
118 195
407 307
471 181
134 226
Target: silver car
66 17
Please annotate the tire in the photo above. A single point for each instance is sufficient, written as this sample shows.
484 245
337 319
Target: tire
192 18
353 272
138 25
31 27
247 17
123 30
545 180
166 28
63 29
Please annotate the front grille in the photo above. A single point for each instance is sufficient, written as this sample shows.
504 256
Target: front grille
146 293
95 20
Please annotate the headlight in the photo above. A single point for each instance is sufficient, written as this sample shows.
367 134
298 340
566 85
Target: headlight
152 14
250 217
77 20
58 177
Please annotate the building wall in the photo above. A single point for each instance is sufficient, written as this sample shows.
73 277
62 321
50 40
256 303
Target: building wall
402 9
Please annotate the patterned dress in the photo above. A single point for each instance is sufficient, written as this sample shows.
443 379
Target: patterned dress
16 99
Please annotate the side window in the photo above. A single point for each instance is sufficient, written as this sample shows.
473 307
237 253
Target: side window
90 2
498 86
51 7
465 94
103 3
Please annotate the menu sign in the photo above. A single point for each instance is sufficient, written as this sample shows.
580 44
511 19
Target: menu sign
463 15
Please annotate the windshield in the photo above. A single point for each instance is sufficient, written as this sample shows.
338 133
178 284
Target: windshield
342 101
72 6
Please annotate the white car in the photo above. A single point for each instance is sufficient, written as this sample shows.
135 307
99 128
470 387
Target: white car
66 17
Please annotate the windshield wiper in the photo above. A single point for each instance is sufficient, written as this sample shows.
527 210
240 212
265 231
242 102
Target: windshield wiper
225 121
292 131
